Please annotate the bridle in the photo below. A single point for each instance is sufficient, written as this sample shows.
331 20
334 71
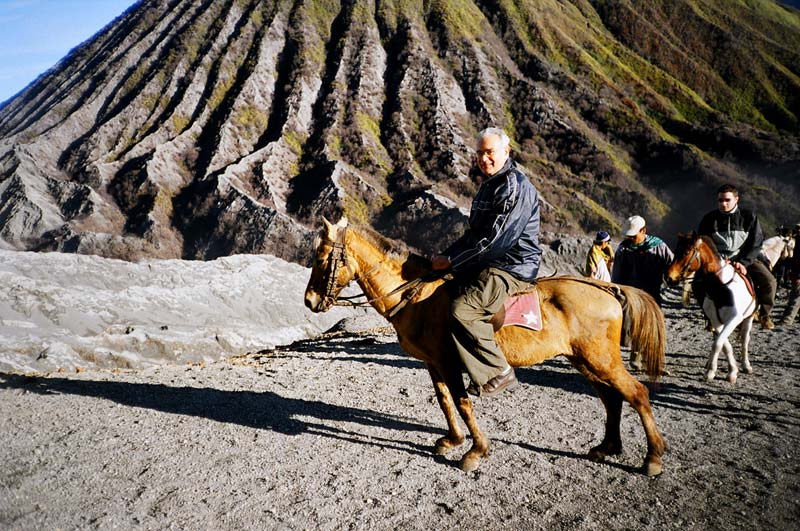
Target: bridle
336 260
696 256
687 266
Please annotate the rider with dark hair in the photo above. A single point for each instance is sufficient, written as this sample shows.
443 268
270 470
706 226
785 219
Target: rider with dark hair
738 236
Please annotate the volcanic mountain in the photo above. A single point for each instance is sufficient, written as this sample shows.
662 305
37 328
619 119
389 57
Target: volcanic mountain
202 128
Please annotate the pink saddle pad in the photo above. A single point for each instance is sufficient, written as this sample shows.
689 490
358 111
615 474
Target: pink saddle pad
523 310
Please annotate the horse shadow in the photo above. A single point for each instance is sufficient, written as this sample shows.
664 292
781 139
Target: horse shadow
716 402
261 410
352 348
369 350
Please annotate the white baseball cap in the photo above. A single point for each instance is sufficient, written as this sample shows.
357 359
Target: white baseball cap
633 225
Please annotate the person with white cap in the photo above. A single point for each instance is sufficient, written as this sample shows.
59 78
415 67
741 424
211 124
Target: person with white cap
600 257
641 259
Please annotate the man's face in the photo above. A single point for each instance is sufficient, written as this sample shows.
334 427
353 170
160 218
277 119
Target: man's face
491 155
638 237
727 201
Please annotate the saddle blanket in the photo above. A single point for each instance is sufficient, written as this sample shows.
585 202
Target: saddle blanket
523 310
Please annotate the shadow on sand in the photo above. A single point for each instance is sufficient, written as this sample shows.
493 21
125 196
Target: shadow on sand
261 410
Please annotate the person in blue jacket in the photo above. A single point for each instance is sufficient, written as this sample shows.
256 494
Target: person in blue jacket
497 255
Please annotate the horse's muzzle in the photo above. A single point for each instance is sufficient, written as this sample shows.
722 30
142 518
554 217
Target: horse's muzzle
317 304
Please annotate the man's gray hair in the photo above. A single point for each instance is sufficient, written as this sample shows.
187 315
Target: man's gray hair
495 131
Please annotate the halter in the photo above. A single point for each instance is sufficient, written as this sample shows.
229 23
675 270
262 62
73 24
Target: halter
695 256
337 259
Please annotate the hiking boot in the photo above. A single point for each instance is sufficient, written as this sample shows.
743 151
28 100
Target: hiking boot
496 385
766 322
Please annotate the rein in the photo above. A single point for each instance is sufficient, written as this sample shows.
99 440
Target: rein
338 259
695 256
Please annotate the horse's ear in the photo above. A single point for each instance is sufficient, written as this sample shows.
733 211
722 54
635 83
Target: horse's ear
342 222
330 229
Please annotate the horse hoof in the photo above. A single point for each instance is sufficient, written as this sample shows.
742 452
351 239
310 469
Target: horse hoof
710 376
468 464
444 445
732 378
748 369
653 469
599 453
596 455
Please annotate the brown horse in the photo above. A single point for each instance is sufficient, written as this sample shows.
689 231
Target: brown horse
583 320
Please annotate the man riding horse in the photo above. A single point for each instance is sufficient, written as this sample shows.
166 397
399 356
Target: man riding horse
738 237
497 255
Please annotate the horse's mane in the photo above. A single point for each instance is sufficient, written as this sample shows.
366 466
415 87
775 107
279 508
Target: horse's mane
413 265
708 241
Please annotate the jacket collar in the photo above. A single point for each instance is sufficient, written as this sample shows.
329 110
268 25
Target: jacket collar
509 165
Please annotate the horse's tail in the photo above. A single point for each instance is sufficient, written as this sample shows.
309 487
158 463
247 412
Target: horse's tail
643 328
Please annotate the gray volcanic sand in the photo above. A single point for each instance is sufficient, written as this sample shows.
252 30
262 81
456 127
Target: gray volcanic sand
337 432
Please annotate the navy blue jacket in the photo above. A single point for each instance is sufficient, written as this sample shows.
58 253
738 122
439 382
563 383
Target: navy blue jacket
503 227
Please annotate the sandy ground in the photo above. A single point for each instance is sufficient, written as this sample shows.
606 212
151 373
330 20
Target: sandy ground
337 432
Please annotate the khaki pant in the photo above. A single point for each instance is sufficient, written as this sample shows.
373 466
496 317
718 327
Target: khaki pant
471 310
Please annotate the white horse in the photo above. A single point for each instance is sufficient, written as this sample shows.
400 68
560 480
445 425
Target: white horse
729 302
776 249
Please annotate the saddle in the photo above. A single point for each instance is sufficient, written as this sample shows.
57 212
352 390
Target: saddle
520 309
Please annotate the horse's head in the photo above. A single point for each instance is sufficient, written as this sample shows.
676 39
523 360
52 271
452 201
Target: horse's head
330 272
687 258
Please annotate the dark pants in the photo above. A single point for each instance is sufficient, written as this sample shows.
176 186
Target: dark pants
764 285
793 306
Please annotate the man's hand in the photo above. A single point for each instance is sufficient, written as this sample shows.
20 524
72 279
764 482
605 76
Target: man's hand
440 262
739 267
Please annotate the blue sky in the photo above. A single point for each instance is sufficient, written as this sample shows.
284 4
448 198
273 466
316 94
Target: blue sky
36 34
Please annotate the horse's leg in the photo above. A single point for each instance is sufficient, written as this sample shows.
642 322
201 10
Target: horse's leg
744 336
711 364
733 372
720 338
686 295
455 436
612 400
636 394
480 443
612 441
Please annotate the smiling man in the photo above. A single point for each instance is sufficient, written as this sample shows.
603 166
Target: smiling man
497 255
